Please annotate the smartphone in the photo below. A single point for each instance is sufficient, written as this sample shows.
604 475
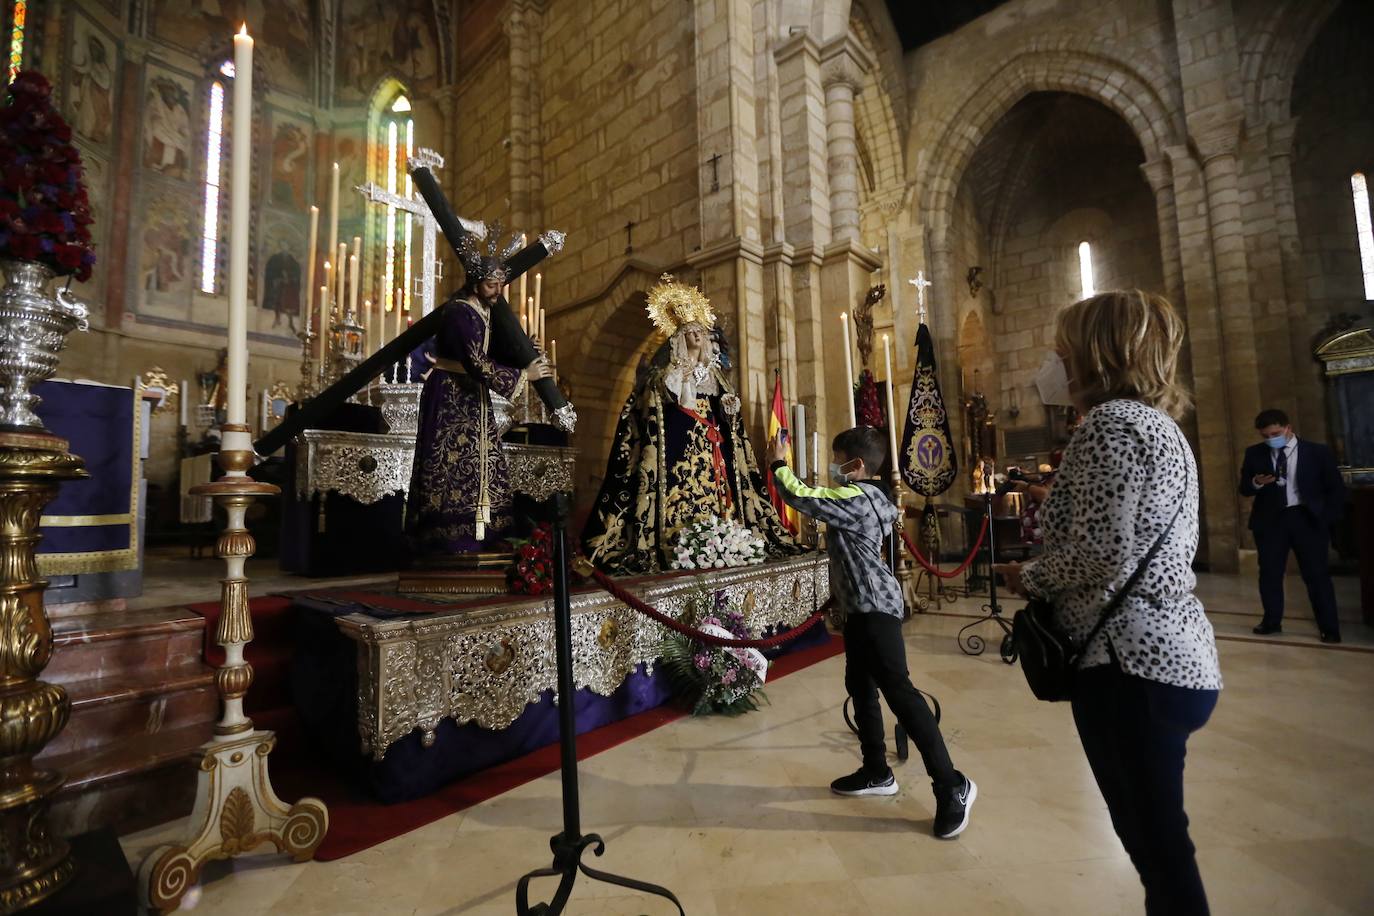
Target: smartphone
783 436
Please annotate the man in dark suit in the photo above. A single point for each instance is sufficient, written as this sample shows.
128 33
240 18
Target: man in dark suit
1299 495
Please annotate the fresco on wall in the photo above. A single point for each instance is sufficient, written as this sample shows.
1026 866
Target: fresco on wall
167 123
380 38
290 156
167 246
281 32
93 60
348 152
282 279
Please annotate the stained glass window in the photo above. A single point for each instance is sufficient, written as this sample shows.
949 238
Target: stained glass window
399 141
1364 228
20 16
1085 268
209 244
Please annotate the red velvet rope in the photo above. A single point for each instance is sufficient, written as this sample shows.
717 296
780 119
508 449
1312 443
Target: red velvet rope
935 571
677 626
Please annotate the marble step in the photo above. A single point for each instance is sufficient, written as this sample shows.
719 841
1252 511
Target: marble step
124 643
142 780
118 707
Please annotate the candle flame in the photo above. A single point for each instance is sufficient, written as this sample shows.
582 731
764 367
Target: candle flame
844 316
243 29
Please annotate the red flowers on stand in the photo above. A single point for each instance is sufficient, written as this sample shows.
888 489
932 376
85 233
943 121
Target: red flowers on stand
532 572
45 215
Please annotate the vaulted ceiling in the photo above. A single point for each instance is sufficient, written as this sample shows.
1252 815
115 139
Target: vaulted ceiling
919 22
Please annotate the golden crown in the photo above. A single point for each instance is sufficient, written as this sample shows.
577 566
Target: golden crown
673 304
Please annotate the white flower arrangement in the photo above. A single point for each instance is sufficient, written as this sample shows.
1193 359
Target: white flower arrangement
717 543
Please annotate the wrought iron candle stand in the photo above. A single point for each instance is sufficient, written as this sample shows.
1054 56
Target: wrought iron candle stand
569 845
973 644
236 809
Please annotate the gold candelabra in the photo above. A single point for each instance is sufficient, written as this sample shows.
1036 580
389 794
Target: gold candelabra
236 809
33 864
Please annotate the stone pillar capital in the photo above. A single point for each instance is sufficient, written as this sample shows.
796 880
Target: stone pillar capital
1219 139
1159 173
844 62
799 43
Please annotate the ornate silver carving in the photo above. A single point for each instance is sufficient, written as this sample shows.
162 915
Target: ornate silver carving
486 666
565 418
553 240
540 471
364 466
400 408
33 330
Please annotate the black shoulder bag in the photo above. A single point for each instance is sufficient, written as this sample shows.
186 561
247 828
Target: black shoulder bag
1049 658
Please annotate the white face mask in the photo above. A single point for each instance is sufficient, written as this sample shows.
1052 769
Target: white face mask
1053 382
842 477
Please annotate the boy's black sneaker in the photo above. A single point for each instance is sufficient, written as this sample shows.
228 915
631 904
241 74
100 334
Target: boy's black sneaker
952 806
860 783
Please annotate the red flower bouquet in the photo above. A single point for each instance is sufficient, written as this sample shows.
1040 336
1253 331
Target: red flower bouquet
45 215
532 571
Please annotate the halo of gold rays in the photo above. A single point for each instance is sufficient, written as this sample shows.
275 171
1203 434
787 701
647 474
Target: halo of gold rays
673 304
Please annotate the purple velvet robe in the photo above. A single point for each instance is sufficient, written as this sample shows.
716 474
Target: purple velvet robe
441 508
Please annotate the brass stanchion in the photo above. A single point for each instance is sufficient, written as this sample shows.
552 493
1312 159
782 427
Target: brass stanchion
33 864
236 809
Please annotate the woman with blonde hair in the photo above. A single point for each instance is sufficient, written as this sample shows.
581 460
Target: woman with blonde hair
1149 677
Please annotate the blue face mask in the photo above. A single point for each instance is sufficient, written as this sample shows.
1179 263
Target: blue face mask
1276 441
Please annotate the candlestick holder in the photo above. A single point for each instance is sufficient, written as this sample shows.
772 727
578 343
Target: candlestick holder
306 389
901 564
346 348
236 809
34 864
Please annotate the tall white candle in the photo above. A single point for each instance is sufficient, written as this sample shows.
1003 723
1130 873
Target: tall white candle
323 328
538 287
553 357
398 311
185 412
236 414
848 372
310 262
368 323
891 414
333 212
541 326
798 436
353 284
340 279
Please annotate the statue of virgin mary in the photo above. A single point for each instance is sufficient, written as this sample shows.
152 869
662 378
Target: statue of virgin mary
680 453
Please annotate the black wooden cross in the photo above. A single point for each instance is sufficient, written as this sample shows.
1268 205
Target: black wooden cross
629 227
715 171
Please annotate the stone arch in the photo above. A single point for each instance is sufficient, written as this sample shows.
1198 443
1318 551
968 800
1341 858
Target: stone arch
876 115
1271 57
1136 93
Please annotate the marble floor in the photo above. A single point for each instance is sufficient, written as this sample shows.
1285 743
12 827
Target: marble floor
735 815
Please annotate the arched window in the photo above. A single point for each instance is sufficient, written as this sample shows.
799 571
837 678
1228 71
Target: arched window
397 141
214 171
19 14
1085 269
1364 227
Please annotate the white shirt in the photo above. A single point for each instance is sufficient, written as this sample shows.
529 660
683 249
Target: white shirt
1291 482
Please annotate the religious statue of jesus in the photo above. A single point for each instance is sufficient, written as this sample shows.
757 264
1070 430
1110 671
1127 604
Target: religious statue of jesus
460 500
680 453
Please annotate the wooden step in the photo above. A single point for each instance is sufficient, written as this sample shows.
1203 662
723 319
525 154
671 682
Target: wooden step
115 708
125 642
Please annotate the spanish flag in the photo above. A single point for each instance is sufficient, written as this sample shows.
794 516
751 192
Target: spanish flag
778 421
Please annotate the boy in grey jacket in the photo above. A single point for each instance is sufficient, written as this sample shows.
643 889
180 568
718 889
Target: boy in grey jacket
858 515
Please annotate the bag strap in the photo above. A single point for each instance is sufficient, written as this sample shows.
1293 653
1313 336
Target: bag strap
1140 568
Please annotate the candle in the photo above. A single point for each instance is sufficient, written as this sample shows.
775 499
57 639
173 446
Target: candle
848 372
398 311
340 279
185 410
553 355
891 414
815 456
799 437
541 325
333 212
353 283
323 329
240 179
310 262
538 286
368 323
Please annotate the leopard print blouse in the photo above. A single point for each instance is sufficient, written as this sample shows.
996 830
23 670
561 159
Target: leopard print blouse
1123 475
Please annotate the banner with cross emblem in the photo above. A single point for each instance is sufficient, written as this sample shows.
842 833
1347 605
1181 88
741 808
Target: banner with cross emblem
926 458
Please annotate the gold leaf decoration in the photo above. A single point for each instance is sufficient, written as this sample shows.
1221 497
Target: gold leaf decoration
236 822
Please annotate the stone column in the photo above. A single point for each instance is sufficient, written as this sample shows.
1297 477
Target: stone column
843 64
1160 174
522 31
118 250
1308 391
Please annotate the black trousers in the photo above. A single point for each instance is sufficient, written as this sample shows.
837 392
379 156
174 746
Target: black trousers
875 661
1135 733
1305 535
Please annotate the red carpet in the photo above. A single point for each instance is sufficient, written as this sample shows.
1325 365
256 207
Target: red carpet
357 822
